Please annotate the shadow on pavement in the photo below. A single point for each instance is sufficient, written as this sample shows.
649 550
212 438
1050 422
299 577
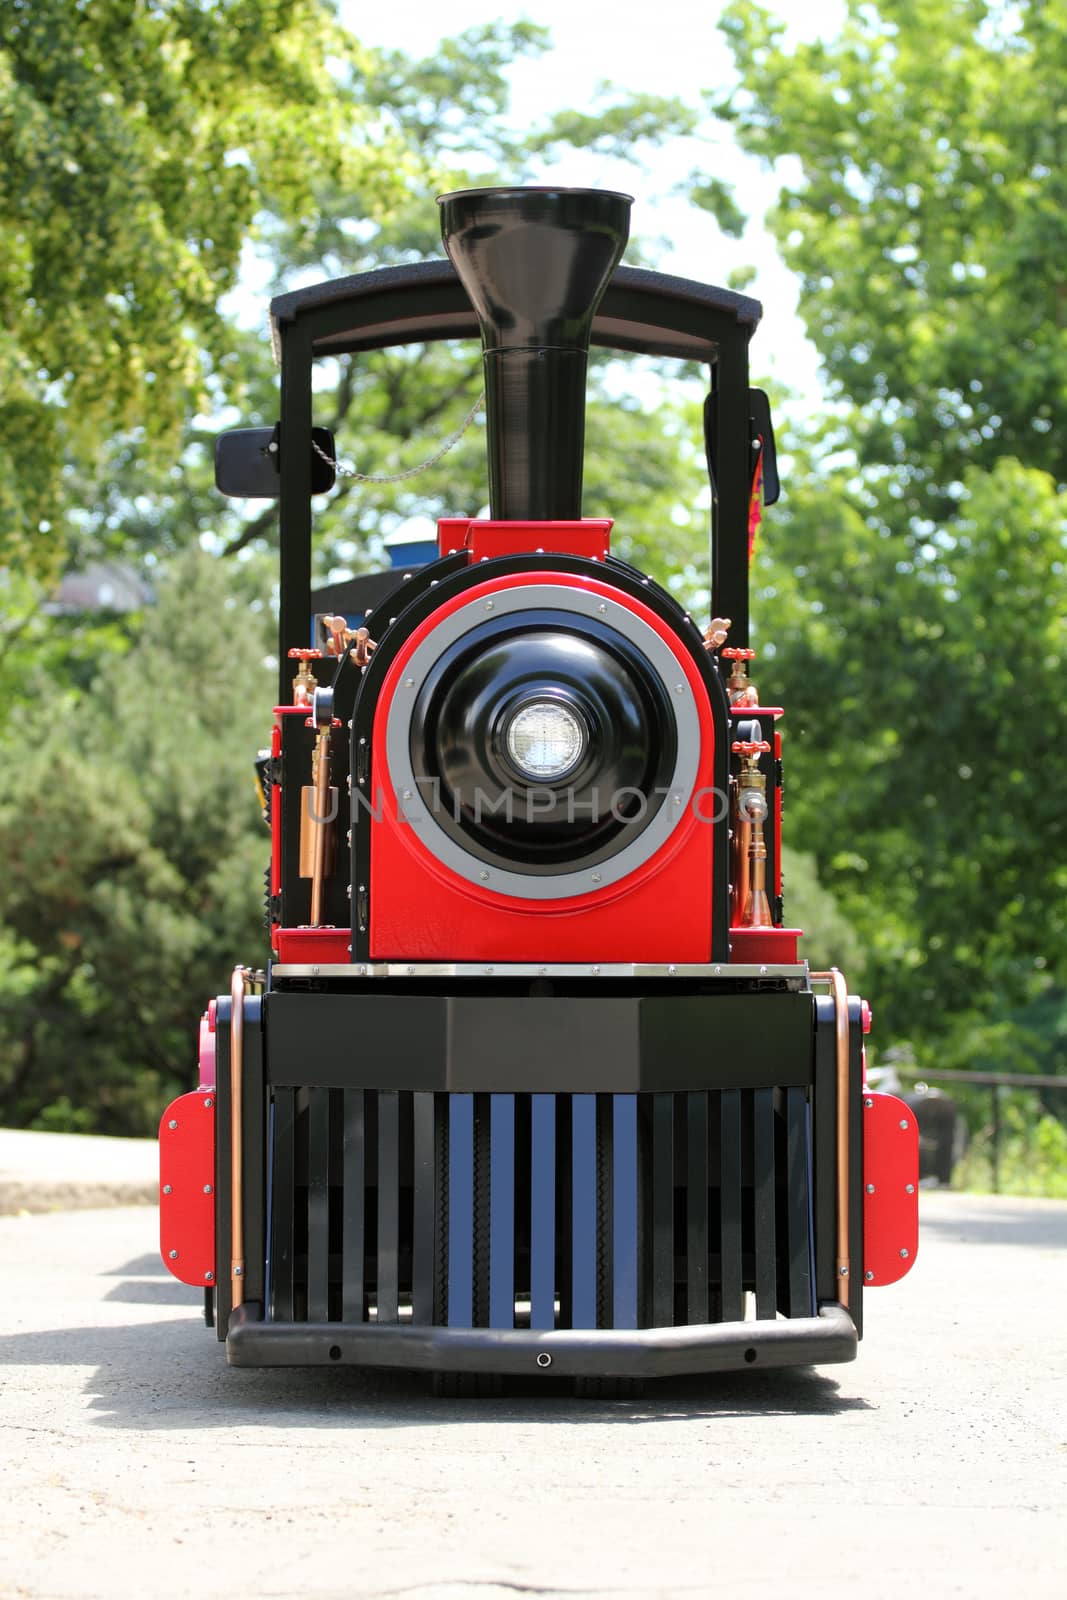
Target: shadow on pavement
172 1374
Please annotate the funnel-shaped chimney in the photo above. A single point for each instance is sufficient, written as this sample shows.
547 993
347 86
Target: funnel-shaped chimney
535 263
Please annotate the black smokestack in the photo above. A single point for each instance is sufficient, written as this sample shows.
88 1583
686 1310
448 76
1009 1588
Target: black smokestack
535 263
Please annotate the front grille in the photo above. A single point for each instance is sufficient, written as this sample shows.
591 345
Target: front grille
539 1210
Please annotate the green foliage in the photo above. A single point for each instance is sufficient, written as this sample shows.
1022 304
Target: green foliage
135 855
138 142
929 223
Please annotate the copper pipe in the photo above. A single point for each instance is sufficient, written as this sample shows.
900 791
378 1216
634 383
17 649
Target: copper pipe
238 987
322 805
839 990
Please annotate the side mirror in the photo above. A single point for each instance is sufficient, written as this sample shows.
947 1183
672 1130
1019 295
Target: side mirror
248 462
761 427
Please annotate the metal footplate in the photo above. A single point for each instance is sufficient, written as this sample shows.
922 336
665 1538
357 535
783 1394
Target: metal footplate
560 1353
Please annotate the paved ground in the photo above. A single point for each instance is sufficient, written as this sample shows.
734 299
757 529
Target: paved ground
67 1171
132 1461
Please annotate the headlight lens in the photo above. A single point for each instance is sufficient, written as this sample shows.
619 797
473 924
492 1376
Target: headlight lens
545 739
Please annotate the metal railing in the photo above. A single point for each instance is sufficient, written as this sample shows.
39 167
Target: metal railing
994 1082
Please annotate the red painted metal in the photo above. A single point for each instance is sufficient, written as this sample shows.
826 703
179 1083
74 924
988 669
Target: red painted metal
890 1189
660 912
778 819
187 1188
866 1016
758 945
313 944
206 1043
487 537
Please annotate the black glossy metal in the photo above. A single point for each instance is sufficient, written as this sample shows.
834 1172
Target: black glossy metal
648 1352
763 1184
388 1207
424 1194
318 1205
797 1168
732 1288
535 263
353 1204
458 741
283 1201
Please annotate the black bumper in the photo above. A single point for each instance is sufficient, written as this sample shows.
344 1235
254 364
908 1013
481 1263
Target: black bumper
645 1353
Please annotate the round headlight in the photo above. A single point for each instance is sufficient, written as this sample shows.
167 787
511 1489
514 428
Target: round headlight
545 739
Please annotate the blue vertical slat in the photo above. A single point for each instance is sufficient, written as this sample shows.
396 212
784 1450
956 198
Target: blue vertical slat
583 1211
624 1211
502 1211
461 1210
542 1211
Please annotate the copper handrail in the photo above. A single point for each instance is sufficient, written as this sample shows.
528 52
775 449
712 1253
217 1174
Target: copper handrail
239 983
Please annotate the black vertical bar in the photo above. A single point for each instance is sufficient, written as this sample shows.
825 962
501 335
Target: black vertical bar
281 1262
763 1178
624 1211
584 1210
223 1209
353 1215
801 1300
318 1205
729 420
733 1304
696 1233
502 1211
389 1206
825 1150
663 1210
294 610
542 1211
423 1208
460 1298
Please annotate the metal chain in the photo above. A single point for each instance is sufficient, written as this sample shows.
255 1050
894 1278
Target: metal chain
344 469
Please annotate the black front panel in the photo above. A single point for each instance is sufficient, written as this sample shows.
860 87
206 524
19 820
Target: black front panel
540 1211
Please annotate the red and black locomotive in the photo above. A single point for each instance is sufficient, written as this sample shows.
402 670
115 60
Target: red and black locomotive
536 1080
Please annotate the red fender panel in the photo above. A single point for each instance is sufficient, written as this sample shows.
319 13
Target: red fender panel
187 1188
890 1189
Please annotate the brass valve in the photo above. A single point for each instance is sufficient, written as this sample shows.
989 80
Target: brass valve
715 632
739 686
751 906
305 683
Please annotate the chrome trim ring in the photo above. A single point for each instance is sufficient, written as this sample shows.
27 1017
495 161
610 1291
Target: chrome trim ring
572 603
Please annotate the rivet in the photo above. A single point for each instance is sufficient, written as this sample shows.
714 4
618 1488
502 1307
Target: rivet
679 688
314 972
671 971
208 1103
869 1104
909 1188
844 1272
595 971
209 1277
870 1188
488 603
603 610
172 1123
173 1254
409 683
903 1255
484 876
208 1188
763 972
868 1276
596 877
411 972
238 1272
167 1189
407 794
543 1358
904 1122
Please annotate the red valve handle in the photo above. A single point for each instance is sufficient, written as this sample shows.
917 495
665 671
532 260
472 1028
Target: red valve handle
304 655
738 653
750 747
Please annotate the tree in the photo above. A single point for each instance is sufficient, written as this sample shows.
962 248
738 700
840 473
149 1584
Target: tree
138 143
928 225
134 863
